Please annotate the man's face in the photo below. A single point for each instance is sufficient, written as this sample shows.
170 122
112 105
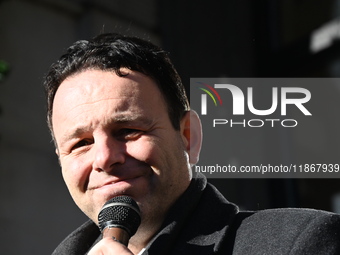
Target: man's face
114 137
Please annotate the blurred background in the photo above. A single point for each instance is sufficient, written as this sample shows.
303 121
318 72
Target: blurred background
273 38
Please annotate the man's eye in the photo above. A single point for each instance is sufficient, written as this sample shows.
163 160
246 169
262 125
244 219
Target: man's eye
129 133
81 143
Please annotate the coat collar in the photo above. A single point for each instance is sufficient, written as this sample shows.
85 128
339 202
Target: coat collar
198 223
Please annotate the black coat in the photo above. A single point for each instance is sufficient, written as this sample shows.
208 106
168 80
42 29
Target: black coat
203 222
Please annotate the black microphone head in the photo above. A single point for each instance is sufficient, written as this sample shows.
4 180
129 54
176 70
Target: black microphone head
120 212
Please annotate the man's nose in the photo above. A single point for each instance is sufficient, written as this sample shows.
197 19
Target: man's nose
108 152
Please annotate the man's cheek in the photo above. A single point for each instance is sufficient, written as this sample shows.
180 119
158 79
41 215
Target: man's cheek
142 151
73 178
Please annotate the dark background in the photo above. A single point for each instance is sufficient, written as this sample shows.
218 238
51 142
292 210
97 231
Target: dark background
205 39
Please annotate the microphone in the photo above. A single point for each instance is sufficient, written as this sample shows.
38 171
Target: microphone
119 219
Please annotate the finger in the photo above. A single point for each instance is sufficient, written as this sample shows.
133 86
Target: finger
109 246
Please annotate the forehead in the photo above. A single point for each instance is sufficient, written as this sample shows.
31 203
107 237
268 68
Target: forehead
93 85
94 90
96 84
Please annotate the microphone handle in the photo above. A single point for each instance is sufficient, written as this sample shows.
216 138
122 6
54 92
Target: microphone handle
117 234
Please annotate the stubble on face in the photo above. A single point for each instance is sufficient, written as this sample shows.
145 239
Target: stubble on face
103 112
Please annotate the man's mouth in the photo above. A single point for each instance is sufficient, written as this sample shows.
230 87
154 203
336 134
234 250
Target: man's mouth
118 182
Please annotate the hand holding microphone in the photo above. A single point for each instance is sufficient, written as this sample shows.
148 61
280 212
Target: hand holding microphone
118 220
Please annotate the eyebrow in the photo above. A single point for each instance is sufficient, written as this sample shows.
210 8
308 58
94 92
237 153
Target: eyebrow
72 135
118 120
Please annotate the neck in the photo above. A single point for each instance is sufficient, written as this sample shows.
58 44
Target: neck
143 236
152 224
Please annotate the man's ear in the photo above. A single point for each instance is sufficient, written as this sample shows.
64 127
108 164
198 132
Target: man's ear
191 131
58 154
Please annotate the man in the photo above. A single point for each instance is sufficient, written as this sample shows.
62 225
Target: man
122 125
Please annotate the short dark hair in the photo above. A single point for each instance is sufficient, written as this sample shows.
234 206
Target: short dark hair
113 52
